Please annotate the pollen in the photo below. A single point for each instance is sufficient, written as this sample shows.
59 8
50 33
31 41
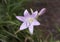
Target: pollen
30 20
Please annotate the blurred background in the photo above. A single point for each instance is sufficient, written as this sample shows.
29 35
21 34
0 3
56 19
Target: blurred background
48 31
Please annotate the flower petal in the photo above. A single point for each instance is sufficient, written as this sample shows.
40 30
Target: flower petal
23 26
35 22
34 14
26 13
21 18
31 29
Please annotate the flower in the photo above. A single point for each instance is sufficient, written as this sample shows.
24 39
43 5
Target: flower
29 21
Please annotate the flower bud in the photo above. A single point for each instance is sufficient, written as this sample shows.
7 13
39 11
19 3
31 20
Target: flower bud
42 11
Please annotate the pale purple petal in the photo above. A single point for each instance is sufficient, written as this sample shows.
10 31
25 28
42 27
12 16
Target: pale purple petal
26 13
31 29
34 14
21 18
35 22
42 11
27 23
23 26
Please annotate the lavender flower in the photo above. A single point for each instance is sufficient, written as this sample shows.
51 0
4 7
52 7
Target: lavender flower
29 21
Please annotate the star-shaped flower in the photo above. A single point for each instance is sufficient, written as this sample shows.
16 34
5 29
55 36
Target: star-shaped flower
29 21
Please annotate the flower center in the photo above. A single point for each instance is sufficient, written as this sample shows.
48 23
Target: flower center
30 20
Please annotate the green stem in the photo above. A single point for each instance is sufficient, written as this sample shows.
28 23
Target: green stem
31 10
17 31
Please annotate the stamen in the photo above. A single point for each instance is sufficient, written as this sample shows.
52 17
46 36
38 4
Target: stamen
30 20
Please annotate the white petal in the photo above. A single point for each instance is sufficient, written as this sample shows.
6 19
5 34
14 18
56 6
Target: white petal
23 26
31 29
26 13
34 14
21 18
35 22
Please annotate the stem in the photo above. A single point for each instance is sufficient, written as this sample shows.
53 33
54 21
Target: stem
17 31
29 39
31 10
